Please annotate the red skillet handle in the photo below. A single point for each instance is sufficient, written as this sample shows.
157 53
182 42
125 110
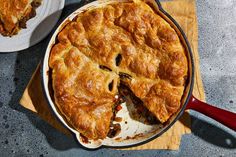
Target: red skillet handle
227 118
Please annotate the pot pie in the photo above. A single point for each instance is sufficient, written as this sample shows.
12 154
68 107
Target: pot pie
120 44
15 13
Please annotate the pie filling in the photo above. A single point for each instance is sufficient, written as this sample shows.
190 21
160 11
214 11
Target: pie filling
8 27
123 49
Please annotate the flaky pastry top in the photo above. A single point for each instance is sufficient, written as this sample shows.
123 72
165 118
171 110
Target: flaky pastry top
123 42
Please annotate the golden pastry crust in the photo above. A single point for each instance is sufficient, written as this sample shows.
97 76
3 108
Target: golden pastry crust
15 13
138 47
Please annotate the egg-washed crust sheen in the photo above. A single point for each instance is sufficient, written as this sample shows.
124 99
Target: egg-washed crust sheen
137 47
15 13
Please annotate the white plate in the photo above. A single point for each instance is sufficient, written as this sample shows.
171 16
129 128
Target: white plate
37 28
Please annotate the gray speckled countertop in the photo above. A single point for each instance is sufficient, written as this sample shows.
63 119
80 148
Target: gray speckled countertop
22 133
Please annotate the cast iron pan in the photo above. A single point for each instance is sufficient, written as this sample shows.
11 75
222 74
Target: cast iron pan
138 132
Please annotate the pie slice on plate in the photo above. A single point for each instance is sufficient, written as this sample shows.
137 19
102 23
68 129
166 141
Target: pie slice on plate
15 13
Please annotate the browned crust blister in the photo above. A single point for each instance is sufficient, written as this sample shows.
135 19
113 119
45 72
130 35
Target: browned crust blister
15 13
120 43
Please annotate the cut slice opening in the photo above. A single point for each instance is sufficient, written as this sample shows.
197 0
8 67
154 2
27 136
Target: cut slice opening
118 59
137 110
103 67
124 76
141 113
111 85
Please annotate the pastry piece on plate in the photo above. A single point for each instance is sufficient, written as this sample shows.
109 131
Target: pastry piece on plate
15 13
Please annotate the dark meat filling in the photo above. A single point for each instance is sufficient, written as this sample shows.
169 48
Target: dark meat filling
35 4
115 129
22 22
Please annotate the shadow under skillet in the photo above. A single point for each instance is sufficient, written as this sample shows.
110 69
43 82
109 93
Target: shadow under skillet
29 59
212 134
